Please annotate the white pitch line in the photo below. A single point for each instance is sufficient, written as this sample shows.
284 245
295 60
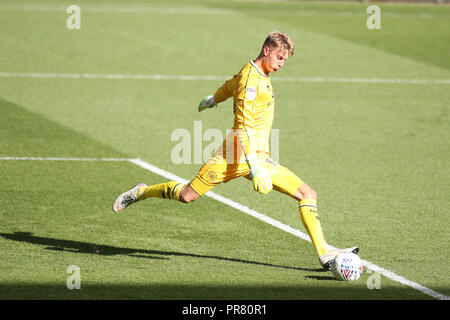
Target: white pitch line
184 10
168 175
108 76
113 76
63 159
391 275
364 80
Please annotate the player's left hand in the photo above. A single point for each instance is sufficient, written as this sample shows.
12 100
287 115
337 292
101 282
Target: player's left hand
207 102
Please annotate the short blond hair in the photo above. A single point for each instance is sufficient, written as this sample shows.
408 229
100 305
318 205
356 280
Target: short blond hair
278 39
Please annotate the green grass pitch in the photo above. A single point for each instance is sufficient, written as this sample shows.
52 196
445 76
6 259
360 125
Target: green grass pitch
376 153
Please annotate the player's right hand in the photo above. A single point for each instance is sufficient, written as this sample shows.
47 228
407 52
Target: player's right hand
207 102
262 181
261 178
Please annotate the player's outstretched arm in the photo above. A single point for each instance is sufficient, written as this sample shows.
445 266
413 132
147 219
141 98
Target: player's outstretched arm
207 102
222 94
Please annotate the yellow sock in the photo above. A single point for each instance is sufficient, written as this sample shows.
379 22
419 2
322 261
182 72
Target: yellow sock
310 219
168 190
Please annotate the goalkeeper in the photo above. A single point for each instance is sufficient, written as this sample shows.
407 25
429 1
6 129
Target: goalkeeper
245 152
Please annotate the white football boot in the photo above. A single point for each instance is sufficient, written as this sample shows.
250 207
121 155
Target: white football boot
127 198
327 259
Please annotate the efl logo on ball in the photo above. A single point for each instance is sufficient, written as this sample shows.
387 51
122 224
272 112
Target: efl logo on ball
347 266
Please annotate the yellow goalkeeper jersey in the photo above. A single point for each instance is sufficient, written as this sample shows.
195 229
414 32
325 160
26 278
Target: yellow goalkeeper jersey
253 97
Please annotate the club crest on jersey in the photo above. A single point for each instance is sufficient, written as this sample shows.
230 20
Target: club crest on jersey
251 93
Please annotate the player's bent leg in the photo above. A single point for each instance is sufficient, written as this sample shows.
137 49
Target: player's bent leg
287 182
308 211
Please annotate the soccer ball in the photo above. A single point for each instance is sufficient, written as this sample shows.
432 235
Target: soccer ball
347 266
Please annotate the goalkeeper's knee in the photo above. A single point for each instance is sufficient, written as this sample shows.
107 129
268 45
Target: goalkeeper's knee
187 194
306 192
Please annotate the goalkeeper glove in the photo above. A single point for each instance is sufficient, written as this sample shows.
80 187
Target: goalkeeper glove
207 102
261 178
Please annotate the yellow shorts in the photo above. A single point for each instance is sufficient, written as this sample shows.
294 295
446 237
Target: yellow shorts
216 170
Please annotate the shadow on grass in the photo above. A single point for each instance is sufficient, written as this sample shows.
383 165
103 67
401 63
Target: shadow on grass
330 289
106 250
328 278
201 291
